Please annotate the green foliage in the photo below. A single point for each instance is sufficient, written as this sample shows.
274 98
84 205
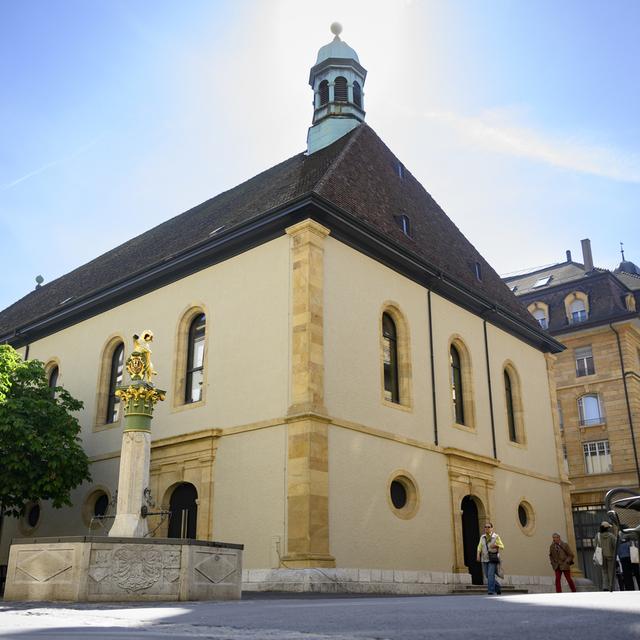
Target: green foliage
9 361
41 457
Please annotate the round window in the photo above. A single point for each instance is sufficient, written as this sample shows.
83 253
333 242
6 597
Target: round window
398 494
526 518
33 515
402 495
101 505
96 505
522 516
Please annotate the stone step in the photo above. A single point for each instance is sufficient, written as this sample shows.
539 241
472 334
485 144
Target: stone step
479 590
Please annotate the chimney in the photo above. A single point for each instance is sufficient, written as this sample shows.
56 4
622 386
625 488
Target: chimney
568 255
586 254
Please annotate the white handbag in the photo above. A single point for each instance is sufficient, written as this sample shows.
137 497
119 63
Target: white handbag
597 556
635 553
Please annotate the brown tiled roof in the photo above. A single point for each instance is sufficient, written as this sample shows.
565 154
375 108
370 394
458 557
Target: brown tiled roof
358 174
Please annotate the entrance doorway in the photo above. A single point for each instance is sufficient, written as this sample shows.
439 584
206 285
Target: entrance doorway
471 537
184 512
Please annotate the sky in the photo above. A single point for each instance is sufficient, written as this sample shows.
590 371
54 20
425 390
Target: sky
520 118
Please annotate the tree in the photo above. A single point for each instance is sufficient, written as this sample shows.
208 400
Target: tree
41 457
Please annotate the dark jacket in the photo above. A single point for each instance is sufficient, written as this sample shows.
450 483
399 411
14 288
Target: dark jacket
560 556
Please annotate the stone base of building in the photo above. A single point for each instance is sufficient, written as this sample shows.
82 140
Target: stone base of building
383 581
102 569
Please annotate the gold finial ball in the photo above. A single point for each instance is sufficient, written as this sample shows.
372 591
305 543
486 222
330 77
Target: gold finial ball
336 29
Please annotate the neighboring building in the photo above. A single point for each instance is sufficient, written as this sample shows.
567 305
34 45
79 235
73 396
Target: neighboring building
595 314
349 384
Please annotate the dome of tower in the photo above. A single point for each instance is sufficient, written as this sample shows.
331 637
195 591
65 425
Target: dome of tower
336 48
629 267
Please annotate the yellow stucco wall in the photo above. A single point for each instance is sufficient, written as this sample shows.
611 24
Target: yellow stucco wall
356 288
365 532
527 554
364 528
249 493
246 300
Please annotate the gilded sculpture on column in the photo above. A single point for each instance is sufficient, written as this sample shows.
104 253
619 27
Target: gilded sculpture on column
141 394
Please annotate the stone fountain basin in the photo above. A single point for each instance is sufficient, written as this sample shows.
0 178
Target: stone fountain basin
104 569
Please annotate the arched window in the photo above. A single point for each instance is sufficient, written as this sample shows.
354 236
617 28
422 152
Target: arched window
511 416
340 90
513 404
590 410
324 92
540 316
54 372
578 311
115 378
457 392
390 359
357 94
195 360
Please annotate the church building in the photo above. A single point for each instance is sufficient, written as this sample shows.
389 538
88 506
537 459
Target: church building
352 391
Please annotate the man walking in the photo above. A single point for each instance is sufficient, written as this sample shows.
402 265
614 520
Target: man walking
561 558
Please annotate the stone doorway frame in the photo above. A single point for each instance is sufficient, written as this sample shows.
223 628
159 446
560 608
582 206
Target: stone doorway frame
188 458
469 475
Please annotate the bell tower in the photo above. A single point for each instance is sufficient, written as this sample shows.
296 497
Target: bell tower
337 80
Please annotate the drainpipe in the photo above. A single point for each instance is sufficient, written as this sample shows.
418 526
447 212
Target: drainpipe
26 353
433 373
486 353
626 397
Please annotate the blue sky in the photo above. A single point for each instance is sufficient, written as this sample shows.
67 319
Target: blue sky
520 118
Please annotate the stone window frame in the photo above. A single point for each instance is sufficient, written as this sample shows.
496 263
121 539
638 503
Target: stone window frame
530 527
52 363
89 503
181 356
104 379
403 343
585 423
570 299
630 302
466 368
406 479
582 357
591 445
509 368
23 523
540 306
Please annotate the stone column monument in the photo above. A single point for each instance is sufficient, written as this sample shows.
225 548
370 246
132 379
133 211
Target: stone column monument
139 399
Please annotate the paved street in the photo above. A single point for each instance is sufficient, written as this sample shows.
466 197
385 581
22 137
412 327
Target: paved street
582 616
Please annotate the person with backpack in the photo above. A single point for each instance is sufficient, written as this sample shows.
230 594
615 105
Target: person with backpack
488 553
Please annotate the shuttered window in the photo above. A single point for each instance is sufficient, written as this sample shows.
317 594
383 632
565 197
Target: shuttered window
340 90
324 92
357 95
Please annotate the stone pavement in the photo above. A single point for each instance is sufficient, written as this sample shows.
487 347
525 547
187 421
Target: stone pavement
579 616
